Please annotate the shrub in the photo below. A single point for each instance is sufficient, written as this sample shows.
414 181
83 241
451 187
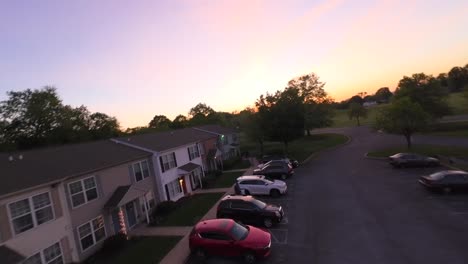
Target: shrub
161 210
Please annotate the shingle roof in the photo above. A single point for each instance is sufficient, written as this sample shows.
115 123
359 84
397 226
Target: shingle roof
166 140
216 129
189 167
42 166
9 256
117 196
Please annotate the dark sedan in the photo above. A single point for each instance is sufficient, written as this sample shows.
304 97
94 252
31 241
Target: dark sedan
281 171
400 160
446 180
268 158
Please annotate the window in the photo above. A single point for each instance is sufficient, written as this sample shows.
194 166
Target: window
195 176
91 232
168 161
174 188
50 255
193 152
31 212
234 137
140 170
83 191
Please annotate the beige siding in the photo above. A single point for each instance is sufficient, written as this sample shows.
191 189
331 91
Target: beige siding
5 228
56 202
66 250
107 180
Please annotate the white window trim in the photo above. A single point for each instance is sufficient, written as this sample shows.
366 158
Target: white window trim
194 150
90 222
83 191
32 212
140 163
42 255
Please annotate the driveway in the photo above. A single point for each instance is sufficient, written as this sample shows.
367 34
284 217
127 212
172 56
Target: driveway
344 208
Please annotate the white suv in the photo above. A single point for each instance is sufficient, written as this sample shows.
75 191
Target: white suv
258 184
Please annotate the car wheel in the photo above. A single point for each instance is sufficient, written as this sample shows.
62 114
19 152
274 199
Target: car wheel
246 192
274 193
267 222
200 253
249 257
283 176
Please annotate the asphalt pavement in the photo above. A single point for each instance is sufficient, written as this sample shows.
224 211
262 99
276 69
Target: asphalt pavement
344 208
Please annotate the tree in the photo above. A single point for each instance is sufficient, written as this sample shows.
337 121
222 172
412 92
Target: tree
403 117
201 108
457 78
30 116
357 99
251 125
426 91
179 121
357 111
160 122
103 126
383 95
317 110
443 79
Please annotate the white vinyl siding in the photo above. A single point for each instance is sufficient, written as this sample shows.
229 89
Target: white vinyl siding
83 191
31 212
91 232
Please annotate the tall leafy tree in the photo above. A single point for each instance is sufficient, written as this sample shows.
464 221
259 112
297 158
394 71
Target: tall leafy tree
251 125
457 78
426 91
383 95
201 108
160 122
179 121
403 117
317 110
103 126
357 111
30 115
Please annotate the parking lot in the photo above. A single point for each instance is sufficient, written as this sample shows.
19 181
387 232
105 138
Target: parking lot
345 208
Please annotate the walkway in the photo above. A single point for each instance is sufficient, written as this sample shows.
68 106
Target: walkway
181 251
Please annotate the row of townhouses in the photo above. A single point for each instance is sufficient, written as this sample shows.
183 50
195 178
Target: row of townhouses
58 204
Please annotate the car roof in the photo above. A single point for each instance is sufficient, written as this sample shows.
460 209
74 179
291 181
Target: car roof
214 225
238 197
251 177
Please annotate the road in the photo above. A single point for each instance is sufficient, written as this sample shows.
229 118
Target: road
344 208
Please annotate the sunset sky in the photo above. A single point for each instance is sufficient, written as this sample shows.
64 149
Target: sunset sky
136 59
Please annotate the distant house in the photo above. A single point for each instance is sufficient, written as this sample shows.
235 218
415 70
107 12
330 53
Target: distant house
57 205
176 157
228 140
369 104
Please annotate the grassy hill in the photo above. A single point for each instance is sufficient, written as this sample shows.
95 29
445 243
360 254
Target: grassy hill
341 119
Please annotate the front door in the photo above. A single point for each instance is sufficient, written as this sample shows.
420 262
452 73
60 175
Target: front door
183 183
115 221
130 212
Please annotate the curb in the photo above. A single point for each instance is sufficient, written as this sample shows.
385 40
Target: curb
313 155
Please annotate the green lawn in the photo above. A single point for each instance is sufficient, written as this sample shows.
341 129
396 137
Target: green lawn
141 250
451 129
239 164
299 149
429 150
189 210
226 179
341 118
458 103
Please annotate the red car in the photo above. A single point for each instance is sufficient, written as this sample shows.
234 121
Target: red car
225 237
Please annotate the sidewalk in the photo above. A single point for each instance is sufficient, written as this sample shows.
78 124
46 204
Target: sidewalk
181 251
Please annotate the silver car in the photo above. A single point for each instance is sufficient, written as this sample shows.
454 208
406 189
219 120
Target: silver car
260 185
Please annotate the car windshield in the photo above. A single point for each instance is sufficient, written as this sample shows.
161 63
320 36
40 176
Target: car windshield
239 232
437 175
259 204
